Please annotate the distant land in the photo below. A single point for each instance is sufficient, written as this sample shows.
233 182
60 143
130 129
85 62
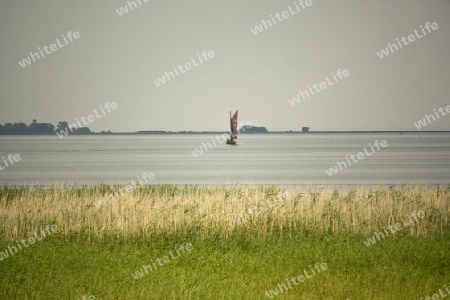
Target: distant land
36 128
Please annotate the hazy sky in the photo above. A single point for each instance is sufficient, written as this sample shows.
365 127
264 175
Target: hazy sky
117 58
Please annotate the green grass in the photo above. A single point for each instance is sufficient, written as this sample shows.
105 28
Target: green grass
238 268
96 250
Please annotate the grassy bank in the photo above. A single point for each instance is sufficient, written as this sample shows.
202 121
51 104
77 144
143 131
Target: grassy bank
245 242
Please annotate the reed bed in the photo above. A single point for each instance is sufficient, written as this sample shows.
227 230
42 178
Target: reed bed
164 211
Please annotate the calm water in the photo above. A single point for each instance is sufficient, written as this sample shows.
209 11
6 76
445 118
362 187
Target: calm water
258 159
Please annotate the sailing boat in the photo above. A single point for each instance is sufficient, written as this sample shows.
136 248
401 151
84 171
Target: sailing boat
233 129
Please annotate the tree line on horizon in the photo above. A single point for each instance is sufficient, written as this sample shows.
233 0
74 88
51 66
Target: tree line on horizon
48 128
39 128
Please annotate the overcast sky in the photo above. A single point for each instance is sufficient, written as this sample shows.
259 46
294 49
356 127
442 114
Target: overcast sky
117 58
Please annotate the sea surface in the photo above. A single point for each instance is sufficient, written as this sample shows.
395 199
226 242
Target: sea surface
282 159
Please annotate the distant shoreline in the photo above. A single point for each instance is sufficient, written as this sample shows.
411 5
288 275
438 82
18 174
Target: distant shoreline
290 132
245 133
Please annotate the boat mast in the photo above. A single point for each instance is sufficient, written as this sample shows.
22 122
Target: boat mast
231 127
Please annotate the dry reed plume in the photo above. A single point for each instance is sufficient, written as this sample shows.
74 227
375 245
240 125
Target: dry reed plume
169 211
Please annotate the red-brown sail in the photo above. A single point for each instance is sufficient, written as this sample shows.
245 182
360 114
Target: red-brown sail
233 129
233 121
